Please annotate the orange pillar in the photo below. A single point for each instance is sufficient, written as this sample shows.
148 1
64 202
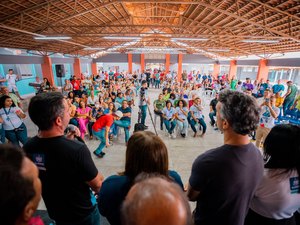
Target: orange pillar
179 67
232 69
129 63
216 71
263 70
94 68
142 62
168 56
47 69
77 67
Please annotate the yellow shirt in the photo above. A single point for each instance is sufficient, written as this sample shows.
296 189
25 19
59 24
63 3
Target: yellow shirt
279 101
298 102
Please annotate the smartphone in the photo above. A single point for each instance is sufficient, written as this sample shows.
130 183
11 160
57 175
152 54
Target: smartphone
267 100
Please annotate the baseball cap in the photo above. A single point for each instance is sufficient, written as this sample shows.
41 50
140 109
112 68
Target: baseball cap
118 113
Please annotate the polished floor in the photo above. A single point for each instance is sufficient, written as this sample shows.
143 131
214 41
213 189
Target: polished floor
182 151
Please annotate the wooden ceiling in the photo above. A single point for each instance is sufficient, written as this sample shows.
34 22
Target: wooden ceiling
224 23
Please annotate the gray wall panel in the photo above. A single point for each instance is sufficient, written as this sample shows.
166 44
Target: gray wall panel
247 62
224 62
197 59
113 58
155 61
56 60
136 58
173 58
285 62
16 59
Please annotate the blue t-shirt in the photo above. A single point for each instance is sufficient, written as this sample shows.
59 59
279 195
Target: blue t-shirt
277 87
126 110
114 190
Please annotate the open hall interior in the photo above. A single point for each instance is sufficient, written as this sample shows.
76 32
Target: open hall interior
170 61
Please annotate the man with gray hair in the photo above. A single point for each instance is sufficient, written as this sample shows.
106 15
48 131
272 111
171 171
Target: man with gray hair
224 179
156 201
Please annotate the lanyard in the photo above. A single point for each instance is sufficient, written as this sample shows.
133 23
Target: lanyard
6 111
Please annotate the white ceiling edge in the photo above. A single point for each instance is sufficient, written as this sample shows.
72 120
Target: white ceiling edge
287 55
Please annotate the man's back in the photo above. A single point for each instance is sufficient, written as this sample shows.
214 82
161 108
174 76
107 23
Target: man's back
226 178
65 168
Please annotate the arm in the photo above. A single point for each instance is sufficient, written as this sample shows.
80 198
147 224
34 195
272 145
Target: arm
107 129
20 114
192 194
96 183
287 93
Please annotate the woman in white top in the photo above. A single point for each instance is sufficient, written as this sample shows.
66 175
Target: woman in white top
181 117
278 196
15 129
169 118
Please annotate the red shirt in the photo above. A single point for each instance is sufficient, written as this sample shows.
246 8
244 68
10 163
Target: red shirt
76 84
104 121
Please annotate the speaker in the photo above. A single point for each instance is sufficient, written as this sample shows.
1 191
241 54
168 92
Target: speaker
60 70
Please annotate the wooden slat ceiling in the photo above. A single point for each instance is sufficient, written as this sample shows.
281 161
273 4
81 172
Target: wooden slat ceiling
225 23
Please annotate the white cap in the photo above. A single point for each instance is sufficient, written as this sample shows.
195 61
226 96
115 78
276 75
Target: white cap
118 114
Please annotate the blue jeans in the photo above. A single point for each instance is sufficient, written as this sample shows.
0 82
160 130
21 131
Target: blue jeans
2 134
17 136
157 83
183 126
144 113
201 122
287 104
92 219
211 116
101 135
170 125
125 124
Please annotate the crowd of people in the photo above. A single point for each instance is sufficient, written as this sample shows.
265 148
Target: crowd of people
236 183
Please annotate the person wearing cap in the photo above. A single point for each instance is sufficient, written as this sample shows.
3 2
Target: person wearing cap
101 130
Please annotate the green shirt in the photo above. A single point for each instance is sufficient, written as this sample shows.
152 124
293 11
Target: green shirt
293 92
233 84
159 104
298 102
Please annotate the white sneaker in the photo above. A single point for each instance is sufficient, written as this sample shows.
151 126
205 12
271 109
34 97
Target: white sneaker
170 136
173 136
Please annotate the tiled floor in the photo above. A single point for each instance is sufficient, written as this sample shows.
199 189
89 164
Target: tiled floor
182 152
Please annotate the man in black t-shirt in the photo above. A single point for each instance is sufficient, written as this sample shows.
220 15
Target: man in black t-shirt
67 171
213 110
224 179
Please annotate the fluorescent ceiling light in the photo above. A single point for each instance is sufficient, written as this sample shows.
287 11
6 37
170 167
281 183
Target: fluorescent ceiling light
91 48
121 38
218 50
190 39
52 38
260 41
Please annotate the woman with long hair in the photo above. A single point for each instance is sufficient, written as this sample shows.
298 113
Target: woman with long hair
145 153
12 118
83 114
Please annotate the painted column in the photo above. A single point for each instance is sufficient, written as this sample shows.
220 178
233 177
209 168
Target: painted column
179 67
142 62
216 71
129 63
94 68
232 69
47 69
263 70
167 67
77 68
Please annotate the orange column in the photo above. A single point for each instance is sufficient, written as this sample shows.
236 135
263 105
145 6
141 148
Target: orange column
94 69
179 67
129 63
142 62
263 70
77 67
168 56
216 71
47 69
232 69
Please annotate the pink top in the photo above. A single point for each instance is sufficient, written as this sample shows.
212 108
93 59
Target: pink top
83 111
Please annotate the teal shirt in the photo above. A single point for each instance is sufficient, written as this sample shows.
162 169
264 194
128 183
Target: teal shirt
293 93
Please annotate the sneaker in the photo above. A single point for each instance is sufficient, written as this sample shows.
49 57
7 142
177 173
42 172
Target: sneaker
211 123
100 155
145 127
195 134
183 135
169 135
173 136
216 128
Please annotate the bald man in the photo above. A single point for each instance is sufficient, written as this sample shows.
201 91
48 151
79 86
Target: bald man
156 201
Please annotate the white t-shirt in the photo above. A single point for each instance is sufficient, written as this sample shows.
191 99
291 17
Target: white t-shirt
90 101
197 113
10 118
277 196
181 114
266 119
169 113
11 79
